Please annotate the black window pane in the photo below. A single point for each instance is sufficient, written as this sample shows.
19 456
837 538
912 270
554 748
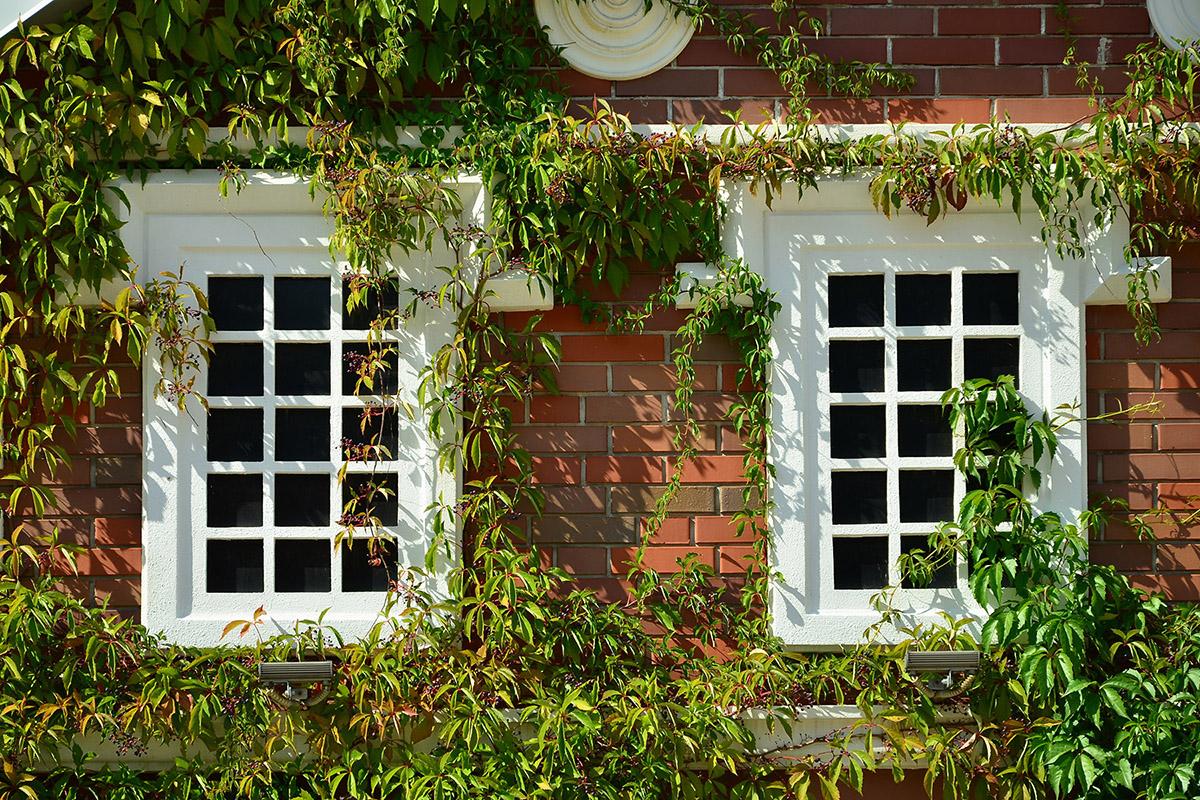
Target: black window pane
302 369
855 301
369 496
856 366
369 434
859 498
236 370
922 299
364 360
301 500
302 434
991 358
857 431
235 501
924 431
236 304
944 577
234 566
926 495
991 298
923 364
302 304
860 562
372 299
235 434
369 566
302 565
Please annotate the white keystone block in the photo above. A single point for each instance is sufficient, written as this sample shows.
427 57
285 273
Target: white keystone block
696 274
1113 289
520 291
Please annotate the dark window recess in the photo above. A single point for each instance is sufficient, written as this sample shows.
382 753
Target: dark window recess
991 298
370 303
302 369
856 366
923 365
926 495
372 496
369 565
860 562
234 566
855 301
385 379
236 304
923 431
236 370
235 434
302 304
944 577
859 498
377 440
302 500
922 299
302 434
302 565
235 501
857 431
991 358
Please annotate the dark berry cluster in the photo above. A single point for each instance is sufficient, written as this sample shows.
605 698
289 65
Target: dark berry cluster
348 520
460 235
125 743
233 704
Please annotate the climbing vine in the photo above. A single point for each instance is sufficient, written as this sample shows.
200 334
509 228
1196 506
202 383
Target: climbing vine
517 685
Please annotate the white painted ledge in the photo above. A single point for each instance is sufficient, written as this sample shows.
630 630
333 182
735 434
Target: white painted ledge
1113 289
520 291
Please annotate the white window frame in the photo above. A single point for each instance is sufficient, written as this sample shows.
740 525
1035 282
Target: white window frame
793 244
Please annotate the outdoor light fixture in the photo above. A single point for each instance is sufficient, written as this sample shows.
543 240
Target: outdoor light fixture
295 683
942 666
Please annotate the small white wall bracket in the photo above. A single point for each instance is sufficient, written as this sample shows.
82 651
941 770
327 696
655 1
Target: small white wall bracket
520 291
695 275
1113 289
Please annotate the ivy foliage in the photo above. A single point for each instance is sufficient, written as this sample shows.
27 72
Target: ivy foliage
516 685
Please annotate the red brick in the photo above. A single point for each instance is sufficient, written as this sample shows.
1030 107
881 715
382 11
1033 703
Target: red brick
563 438
105 441
705 407
712 53
714 530
716 112
641 112
672 530
1179 557
1140 496
753 83
989 21
1042 109
553 408
661 558
590 530
109 561
713 347
624 408
943 51
848 112
1179 436
731 442
1065 80
1179 587
1124 557
1093 347
612 591
573 499
40 531
612 348
1180 376
673 82
1130 375
714 469
515 407
581 378
583 560
1125 21
560 319
1170 405
1185 285
1109 436
120 410
123 592
735 558
659 377
657 438
880 21
939 111
118 531
1042 49
1180 496
574 84
991 81
557 469
1151 466
848 48
624 469
77 473
75 587
83 502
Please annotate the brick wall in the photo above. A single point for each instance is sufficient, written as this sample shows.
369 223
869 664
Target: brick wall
970 58
1154 462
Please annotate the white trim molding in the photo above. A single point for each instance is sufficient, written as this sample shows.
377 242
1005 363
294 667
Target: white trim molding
616 39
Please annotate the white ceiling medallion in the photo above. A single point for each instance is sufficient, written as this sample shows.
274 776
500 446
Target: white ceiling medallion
1176 20
615 39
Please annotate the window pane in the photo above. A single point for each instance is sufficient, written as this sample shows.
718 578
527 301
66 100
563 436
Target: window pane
922 299
924 431
301 500
860 562
302 565
857 431
234 566
369 433
235 501
385 378
369 565
302 369
235 434
991 298
302 304
991 358
236 370
855 301
944 577
926 495
236 304
856 366
859 498
302 434
373 496
923 364
380 299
